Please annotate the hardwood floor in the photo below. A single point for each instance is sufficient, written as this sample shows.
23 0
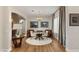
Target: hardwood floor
55 46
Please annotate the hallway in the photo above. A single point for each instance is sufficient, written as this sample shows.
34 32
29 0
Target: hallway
55 46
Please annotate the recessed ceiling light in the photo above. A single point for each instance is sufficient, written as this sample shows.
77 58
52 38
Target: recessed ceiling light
32 10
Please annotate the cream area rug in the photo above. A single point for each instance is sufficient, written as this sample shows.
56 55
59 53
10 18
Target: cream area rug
33 41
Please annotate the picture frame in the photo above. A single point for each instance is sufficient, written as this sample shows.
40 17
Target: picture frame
74 19
34 24
44 24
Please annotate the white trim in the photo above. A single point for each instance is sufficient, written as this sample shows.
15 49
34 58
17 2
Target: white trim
72 50
6 50
67 50
9 49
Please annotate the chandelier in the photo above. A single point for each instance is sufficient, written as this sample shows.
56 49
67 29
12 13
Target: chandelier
39 17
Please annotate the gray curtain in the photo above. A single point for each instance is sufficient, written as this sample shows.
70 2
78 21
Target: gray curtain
62 26
53 16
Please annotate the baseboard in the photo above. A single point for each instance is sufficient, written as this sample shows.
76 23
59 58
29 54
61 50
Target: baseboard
5 50
67 50
72 50
9 49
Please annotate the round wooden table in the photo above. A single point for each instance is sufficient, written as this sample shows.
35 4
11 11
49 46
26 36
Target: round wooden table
39 36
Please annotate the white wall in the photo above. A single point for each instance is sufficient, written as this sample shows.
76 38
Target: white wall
48 19
5 29
72 32
1 36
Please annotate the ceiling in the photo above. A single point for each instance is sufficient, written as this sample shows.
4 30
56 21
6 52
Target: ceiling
36 10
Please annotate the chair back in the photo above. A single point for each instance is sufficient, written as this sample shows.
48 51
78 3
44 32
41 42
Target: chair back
14 33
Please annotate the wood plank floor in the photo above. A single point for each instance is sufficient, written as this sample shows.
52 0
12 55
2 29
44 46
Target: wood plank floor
55 46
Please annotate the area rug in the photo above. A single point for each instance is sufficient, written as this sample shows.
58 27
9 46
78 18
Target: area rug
33 41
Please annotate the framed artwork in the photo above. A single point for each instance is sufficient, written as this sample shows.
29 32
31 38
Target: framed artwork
74 20
44 24
34 24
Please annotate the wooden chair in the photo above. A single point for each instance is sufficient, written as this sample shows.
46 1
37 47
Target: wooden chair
14 32
29 33
50 34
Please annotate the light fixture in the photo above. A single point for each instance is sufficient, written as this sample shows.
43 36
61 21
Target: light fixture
33 10
21 21
39 17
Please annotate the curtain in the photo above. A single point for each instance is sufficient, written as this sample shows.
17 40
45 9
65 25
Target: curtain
53 16
62 26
